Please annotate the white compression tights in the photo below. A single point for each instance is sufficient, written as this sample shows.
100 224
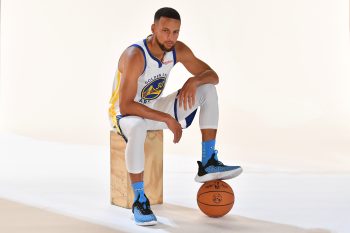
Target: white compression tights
134 128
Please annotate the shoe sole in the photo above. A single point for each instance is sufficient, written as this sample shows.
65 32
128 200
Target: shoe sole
146 223
218 176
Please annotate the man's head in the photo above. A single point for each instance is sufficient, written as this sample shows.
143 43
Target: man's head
166 27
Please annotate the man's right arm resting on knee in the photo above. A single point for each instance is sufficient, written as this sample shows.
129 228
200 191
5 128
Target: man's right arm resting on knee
131 65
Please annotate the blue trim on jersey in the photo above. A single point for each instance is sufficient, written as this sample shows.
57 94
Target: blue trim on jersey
153 57
144 55
175 106
120 129
189 118
174 55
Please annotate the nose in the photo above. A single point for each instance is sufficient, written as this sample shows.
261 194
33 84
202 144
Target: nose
171 37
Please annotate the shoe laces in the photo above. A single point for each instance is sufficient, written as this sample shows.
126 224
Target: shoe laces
218 162
214 161
144 208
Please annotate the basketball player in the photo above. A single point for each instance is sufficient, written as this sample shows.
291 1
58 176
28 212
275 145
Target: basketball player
137 104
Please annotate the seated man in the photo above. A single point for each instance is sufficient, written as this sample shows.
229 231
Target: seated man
137 105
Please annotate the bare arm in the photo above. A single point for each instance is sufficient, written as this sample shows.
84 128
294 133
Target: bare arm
133 64
131 68
202 74
201 71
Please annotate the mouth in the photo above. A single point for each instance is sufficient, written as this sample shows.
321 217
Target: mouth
169 44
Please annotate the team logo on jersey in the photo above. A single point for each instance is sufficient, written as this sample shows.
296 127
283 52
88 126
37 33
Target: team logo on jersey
153 89
167 62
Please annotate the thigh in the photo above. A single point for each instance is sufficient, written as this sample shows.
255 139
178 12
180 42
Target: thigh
166 103
163 104
169 104
130 124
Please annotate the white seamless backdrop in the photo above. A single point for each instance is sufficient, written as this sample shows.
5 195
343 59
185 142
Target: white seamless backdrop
283 67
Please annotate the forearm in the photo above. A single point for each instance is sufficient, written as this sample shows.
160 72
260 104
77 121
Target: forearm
137 109
208 76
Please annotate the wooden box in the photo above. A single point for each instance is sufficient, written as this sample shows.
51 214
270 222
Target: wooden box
121 191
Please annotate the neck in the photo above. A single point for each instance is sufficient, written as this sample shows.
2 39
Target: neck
154 47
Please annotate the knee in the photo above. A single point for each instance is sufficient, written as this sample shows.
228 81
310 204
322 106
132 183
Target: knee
134 126
139 127
208 90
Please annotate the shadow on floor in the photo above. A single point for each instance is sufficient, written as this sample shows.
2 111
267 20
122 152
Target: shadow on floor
174 218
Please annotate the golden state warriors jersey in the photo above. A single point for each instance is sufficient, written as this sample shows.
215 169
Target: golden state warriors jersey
151 83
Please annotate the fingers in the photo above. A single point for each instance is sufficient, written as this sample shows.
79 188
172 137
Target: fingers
176 137
183 98
186 99
177 134
179 98
191 101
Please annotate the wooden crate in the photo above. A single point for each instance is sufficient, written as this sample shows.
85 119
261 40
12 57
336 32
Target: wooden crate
121 191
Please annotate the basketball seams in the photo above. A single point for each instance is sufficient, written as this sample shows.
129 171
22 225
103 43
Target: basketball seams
231 195
215 198
214 192
215 205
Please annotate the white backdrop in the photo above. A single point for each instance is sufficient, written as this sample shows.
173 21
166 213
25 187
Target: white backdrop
283 67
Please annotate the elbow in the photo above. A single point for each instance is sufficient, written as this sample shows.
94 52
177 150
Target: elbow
216 79
124 109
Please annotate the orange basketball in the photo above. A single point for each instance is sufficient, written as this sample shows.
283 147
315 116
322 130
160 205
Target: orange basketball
215 198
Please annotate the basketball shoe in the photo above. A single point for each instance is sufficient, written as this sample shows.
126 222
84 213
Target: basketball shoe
143 214
216 170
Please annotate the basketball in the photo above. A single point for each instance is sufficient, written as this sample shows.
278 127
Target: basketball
215 198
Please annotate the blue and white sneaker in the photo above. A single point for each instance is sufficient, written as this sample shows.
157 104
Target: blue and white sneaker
143 214
216 170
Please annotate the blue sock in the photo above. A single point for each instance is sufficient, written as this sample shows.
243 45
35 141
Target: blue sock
139 189
208 148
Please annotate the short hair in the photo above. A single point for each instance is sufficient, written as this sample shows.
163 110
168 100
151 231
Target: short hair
166 12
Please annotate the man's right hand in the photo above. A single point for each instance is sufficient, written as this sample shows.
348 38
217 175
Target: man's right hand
175 127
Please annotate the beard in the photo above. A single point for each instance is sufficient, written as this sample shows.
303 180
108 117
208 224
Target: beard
162 47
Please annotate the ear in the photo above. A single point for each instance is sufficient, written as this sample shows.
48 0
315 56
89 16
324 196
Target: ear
152 28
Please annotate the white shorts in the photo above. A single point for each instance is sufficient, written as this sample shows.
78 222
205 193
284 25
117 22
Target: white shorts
134 128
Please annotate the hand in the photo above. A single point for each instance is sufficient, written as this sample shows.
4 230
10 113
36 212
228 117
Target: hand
175 127
188 93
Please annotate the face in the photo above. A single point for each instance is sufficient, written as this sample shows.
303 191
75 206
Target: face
166 32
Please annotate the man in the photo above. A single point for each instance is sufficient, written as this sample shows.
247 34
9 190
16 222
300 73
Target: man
137 105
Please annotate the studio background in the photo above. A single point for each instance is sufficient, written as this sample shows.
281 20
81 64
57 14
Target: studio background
283 67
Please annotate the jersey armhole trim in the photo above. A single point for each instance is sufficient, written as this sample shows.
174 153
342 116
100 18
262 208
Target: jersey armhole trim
151 55
144 55
174 56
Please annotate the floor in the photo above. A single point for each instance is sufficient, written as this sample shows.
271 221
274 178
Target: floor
68 187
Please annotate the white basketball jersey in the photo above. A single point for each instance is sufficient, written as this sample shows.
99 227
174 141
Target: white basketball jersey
151 83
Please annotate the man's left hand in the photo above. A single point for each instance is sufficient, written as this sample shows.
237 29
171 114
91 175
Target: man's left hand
187 93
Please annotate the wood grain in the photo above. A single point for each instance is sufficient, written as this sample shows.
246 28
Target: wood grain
121 190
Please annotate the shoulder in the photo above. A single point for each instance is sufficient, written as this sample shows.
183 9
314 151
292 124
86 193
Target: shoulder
131 55
181 47
183 52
